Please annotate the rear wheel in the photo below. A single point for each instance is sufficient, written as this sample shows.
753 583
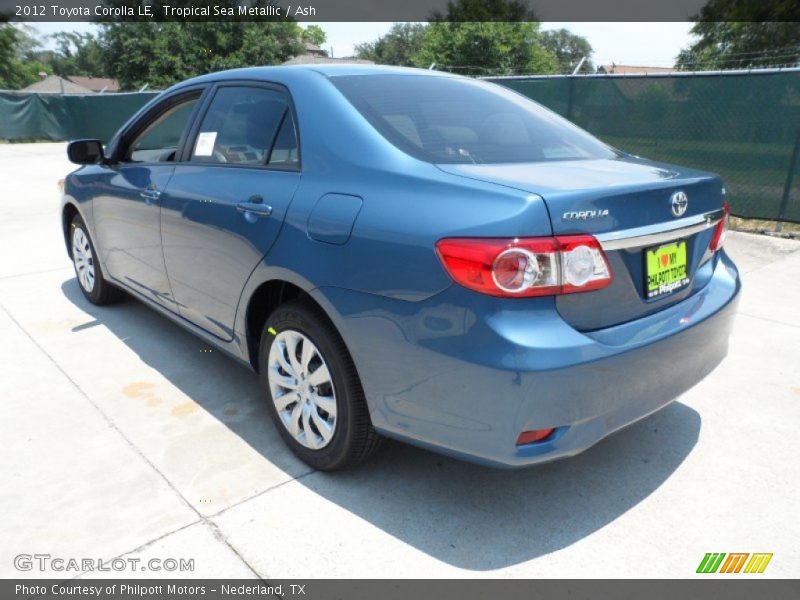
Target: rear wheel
316 399
94 286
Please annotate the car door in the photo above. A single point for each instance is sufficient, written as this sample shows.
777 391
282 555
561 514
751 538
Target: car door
225 203
127 212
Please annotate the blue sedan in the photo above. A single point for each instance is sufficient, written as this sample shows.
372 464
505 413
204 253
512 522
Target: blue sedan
409 254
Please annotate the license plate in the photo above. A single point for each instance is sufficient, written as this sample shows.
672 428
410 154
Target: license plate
665 269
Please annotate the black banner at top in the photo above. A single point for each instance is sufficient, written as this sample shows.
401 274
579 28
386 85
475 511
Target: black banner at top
394 10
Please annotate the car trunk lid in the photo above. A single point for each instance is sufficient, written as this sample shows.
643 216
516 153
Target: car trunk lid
627 204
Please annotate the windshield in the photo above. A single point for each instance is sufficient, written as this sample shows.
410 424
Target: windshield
454 120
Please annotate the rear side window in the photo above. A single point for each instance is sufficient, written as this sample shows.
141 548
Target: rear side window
242 126
453 120
285 152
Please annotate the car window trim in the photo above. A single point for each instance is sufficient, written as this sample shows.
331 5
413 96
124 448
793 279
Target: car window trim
275 137
185 156
129 135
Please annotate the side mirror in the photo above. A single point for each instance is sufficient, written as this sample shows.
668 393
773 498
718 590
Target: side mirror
85 152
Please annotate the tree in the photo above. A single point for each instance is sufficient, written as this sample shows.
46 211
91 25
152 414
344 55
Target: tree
568 49
486 37
138 51
8 45
398 47
315 35
486 48
743 34
78 54
19 66
474 37
161 54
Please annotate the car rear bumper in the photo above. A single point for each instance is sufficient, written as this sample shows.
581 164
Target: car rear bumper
464 374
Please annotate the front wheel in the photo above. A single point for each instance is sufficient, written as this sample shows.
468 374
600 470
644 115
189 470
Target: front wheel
93 284
316 399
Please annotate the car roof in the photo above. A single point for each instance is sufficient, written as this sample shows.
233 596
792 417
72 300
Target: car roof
334 70
283 72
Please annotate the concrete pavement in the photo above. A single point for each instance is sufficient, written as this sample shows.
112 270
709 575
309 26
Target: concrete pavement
125 438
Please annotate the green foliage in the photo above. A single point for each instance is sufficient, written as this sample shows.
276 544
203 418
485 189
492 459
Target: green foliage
19 66
485 48
569 49
314 34
398 47
474 37
161 54
737 34
8 39
78 54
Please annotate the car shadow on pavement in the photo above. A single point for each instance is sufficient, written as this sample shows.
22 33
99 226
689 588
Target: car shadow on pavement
465 515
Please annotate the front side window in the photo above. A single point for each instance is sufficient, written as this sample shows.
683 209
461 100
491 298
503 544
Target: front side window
453 120
247 126
159 141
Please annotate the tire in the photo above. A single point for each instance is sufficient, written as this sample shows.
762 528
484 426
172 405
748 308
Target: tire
94 286
338 439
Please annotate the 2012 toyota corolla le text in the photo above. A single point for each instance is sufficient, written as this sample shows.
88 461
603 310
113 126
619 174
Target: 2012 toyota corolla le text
409 254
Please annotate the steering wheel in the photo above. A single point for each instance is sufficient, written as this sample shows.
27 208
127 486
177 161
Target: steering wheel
219 156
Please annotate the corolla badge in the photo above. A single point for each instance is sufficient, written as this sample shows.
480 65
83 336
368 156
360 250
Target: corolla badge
583 215
679 202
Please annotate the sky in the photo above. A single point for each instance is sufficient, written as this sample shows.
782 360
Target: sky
645 44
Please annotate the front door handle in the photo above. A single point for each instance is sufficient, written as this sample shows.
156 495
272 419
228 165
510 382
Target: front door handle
255 205
150 194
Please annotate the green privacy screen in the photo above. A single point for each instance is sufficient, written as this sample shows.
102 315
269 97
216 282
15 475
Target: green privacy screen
744 126
25 116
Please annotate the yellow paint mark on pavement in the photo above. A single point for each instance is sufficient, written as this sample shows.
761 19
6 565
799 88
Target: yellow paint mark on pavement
138 389
141 390
184 409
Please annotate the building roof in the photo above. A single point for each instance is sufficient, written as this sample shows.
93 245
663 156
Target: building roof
633 70
315 59
312 48
53 84
96 84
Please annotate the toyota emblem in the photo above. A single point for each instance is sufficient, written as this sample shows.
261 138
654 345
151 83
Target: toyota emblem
680 202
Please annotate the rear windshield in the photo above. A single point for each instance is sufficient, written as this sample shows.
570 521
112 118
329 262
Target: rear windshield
453 120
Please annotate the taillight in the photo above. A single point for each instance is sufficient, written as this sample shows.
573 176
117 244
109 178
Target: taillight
584 265
532 437
721 230
522 267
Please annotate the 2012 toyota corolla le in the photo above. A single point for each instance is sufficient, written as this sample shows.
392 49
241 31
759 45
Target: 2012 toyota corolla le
409 254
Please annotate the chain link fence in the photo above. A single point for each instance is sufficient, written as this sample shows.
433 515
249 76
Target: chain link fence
743 125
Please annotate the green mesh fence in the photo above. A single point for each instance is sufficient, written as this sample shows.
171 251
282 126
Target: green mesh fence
25 116
744 126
